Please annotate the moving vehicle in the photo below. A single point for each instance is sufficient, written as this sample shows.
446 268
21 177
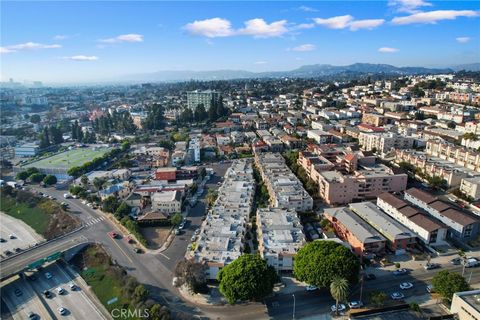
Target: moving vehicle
12 236
429 288
18 292
67 195
406 285
400 272
113 235
456 261
397 296
32 315
431 266
471 262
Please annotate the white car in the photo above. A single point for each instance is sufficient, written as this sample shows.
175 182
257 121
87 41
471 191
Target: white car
311 288
72 286
341 307
62 311
48 275
406 285
355 304
397 296
60 290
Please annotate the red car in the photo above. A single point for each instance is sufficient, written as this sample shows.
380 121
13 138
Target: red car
113 235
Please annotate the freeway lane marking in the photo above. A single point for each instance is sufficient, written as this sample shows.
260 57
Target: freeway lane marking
124 253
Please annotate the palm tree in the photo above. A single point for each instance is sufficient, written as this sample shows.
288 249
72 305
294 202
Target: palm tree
339 290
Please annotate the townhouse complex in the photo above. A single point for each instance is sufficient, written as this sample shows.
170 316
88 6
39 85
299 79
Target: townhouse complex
284 188
221 235
385 142
280 236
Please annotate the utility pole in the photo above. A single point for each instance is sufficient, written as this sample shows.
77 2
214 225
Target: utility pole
293 316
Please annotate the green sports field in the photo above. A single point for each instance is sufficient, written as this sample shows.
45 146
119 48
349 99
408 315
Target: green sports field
69 159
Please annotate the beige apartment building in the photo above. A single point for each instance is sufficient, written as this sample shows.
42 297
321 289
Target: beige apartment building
384 142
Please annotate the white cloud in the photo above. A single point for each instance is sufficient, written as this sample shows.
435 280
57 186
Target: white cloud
260 62
81 58
5 50
463 39
61 37
387 50
131 37
434 16
409 6
366 24
304 48
258 28
211 28
28 46
338 22
347 21
307 9
303 26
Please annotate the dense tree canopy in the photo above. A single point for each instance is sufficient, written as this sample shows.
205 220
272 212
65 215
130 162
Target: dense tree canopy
50 180
446 283
154 120
247 278
319 262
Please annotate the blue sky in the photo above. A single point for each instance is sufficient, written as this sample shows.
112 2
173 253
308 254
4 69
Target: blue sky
70 41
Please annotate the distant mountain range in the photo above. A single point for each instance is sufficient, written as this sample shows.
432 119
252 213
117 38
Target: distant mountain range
308 71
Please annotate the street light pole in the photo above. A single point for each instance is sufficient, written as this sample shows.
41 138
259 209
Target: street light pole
293 316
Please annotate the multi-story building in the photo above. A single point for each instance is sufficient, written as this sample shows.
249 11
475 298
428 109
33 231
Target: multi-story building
374 119
27 150
399 237
280 236
168 202
221 235
321 137
284 188
384 142
197 97
465 305
471 187
349 227
428 229
364 183
456 154
194 149
462 225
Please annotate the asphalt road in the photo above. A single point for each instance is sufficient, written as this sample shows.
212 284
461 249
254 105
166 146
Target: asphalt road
21 306
280 306
25 236
78 305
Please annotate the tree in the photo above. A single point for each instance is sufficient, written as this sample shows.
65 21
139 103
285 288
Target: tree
110 204
140 293
339 290
23 175
36 177
446 283
319 262
377 298
98 183
249 277
436 182
35 118
122 211
211 196
200 113
56 136
192 274
84 180
176 219
154 120
158 312
44 139
50 180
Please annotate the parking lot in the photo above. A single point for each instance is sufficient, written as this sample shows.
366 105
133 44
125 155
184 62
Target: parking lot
23 235
75 301
22 301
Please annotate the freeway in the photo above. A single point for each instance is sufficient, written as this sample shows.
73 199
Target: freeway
20 261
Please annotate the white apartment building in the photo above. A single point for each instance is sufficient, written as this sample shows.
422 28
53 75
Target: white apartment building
221 235
280 237
429 230
194 149
471 187
384 142
284 188
168 202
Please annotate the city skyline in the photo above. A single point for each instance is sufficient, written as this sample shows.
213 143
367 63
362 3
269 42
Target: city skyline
103 41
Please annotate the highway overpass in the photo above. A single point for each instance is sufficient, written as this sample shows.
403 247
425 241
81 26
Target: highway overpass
36 256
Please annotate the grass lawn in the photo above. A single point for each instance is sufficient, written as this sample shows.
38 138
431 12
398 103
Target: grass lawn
69 159
34 217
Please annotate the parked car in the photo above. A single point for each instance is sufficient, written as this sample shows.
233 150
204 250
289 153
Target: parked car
32 316
177 231
311 288
397 296
406 285
429 288
48 275
355 304
12 236
62 311
341 307
18 292
456 261
431 266
72 286
2 240
47 294
60 290
471 262
137 250
370 276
